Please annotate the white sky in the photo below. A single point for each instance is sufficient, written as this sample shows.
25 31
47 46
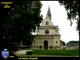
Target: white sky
59 17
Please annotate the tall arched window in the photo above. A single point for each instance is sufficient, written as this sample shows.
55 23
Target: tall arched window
47 23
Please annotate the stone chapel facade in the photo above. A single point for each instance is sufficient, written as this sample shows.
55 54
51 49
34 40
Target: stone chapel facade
47 36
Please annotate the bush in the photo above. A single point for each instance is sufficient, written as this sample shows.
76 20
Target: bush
29 53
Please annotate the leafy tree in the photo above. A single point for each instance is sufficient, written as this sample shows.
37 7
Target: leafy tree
63 43
72 8
20 22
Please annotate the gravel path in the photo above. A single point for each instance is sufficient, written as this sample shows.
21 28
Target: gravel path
22 51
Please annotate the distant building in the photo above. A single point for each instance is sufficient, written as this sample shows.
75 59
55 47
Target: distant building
73 45
47 36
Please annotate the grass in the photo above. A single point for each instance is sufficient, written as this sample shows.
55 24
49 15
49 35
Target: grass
56 52
24 55
45 53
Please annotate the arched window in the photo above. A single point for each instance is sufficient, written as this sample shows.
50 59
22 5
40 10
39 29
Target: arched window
47 23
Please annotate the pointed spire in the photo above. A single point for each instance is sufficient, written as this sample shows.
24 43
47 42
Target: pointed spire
49 12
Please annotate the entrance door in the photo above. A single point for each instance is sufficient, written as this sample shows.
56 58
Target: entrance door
45 44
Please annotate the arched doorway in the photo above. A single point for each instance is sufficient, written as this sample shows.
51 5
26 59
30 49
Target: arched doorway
45 44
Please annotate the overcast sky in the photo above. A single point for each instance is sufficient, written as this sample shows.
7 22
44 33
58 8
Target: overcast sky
59 17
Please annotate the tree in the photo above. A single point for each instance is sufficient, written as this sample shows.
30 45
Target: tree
20 22
72 8
63 43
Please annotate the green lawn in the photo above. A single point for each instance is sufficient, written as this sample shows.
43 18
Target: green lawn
56 52
45 53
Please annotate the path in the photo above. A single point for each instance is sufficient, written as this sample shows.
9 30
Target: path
22 51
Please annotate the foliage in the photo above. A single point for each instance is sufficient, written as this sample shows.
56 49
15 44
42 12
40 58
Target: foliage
29 53
72 8
63 43
20 22
74 41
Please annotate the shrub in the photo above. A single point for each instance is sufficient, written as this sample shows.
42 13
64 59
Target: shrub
29 53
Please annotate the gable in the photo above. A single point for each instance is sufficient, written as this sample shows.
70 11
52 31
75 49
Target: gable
47 21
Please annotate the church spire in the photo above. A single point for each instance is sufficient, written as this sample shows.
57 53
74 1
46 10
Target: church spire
49 12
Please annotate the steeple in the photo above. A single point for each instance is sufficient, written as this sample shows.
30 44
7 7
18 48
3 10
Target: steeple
49 12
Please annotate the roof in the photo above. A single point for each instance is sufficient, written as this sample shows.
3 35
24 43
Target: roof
49 12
